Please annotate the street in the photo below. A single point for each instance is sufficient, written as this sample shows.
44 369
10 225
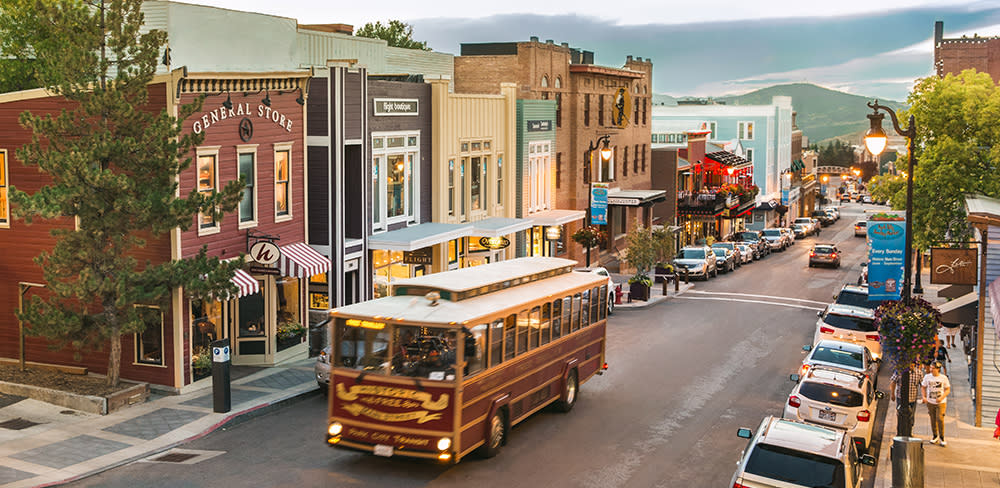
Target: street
683 376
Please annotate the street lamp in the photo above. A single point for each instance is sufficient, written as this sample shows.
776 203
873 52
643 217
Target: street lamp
875 140
601 143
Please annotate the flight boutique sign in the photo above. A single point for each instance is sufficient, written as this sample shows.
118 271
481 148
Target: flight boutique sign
220 114
371 396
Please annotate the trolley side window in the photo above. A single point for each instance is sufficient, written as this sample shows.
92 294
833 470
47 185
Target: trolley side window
535 325
556 319
509 336
424 352
567 307
522 331
602 308
475 349
594 305
576 313
585 310
496 342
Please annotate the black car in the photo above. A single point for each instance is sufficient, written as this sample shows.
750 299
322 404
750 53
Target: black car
756 241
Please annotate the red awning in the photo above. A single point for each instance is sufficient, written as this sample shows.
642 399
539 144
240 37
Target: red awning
302 261
248 285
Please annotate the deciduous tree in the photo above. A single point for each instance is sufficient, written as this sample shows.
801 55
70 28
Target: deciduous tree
396 33
113 163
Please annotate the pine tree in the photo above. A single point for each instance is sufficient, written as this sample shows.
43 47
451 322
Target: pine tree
113 163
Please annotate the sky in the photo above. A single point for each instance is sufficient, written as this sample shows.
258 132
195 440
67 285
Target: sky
707 48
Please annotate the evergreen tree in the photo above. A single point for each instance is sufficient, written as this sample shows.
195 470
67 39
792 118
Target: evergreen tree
114 164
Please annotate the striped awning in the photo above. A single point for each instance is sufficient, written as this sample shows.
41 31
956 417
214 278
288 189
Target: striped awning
302 261
248 285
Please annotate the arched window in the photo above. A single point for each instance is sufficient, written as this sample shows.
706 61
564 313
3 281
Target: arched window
545 81
558 82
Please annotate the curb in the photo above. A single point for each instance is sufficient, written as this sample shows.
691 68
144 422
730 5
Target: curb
229 421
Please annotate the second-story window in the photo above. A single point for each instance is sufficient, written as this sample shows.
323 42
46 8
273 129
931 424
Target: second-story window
282 180
586 110
247 167
558 108
208 183
539 193
600 110
4 203
711 127
749 156
394 155
635 159
745 131
625 162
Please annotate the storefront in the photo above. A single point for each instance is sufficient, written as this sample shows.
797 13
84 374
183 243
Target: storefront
625 208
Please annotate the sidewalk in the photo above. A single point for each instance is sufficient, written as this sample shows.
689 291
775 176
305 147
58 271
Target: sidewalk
655 293
971 458
43 444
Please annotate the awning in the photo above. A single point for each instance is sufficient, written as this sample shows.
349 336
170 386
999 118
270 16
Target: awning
726 158
418 236
556 217
635 198
499 226
962 310
302 261
248 285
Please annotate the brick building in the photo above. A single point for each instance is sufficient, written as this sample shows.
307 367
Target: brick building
585 96
955 55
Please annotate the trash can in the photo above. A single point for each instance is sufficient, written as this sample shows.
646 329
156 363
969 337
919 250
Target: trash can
221 394
907 456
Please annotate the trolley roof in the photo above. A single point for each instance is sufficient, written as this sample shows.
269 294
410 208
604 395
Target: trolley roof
465 283
409 308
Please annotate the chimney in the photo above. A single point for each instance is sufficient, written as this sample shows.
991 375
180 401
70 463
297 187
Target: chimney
938 32
628 59
534 38
565 44
638 59
549 41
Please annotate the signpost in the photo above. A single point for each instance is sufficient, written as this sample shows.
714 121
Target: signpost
887 244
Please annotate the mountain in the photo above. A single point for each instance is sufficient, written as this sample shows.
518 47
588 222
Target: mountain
821 113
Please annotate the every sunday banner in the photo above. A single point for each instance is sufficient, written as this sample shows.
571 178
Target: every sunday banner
886 250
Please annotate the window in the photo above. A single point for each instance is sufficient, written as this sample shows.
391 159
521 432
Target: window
500 180
473 186
635 107
475 349
545 81
566 307
509 336
558 81
247 167
539 169
496 342
290 331
749 156
559 171
744 130
556 319
558 108
585 312
451 186
643 158
586 110
4 204
394 177
600 111
534 327
208 183
523 326
544 327
282 181
711 127
625 162
645 101
635 159
149 342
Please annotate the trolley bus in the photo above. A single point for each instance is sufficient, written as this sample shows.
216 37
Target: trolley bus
451 361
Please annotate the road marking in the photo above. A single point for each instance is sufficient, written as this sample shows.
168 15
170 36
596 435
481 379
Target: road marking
762 302
757 296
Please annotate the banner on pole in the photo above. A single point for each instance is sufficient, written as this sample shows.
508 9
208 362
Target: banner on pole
598 204
886 253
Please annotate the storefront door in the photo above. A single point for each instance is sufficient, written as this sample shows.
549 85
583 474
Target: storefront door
253 327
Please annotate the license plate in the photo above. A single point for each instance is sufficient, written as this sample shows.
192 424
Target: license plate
823 415
383 450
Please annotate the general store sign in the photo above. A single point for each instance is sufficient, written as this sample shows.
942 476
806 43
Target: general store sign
953 266
240 110
632 202
396 106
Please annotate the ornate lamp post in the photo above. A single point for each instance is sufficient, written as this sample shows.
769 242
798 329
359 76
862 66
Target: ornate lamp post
875 140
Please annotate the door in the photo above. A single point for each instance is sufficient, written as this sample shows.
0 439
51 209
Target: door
253 327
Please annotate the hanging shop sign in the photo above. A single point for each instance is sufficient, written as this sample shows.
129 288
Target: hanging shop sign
598 204
553 232
265 252
886 251
396 106
950 266
494 242
419 256
241 111
263 270
539 125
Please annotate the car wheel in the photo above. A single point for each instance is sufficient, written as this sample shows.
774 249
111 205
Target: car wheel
497 435
570 391
810 265
611 304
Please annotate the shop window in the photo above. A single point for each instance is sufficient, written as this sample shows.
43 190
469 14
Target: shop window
388 267
206 326
247 166
394 181
744 130
251 315
149 342
282 181
208 183
290 330
4 203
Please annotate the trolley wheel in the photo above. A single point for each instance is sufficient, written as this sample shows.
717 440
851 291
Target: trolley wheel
497 435
570 391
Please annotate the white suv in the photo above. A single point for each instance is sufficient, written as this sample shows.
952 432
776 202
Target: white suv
836 398
600 270
794 454
849 324
842 355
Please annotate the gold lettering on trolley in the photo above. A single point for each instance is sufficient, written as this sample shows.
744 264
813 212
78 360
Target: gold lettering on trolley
421 416
388 391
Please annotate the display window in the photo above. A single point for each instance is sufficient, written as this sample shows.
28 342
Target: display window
282 181
207 325
290 330
395 179
149 342
208 184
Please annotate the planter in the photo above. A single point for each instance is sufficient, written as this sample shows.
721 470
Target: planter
638 291
660 273
99 405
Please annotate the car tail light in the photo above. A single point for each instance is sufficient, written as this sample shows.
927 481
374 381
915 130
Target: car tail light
737 485
872 337
812 254
864 416
825 330
793 401
833 255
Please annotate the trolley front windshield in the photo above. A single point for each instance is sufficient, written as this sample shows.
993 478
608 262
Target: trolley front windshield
397 350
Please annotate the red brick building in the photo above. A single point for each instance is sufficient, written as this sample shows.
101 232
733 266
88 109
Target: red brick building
955 55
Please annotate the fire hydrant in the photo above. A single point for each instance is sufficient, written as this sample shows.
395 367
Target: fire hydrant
618 294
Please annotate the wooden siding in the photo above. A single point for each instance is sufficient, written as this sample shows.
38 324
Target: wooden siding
315 48
400 60
991 348
318 194
231 241
533 110
318 113
353 106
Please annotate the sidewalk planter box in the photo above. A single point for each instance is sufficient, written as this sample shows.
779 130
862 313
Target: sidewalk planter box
638 291
99 405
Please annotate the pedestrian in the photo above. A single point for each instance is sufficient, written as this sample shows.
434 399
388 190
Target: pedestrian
916 374
941 356
996 432
950 331
934 390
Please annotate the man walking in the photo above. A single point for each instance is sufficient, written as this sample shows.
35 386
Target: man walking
894 391
934 389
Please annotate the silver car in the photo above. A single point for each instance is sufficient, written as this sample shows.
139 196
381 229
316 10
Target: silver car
697 261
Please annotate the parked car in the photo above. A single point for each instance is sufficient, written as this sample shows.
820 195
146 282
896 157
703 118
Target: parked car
754 239
699 261
833 212
861 228
725 260
866 199
811 227
602 271
855 296
789 453
789 234
746 252
824 218
834 397
863 277
322 369
826 254
849 324
734 247
775 239
845 198
800 230
843 355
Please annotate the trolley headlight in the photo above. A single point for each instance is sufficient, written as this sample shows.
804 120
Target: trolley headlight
444 443
335 429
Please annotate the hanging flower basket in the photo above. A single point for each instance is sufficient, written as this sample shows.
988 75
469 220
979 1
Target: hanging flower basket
907 330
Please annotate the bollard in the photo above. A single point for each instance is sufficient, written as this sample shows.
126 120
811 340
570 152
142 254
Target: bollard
665 282
687 278
221 394
677 283
907 456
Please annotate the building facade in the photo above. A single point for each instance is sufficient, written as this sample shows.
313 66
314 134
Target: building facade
957 54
